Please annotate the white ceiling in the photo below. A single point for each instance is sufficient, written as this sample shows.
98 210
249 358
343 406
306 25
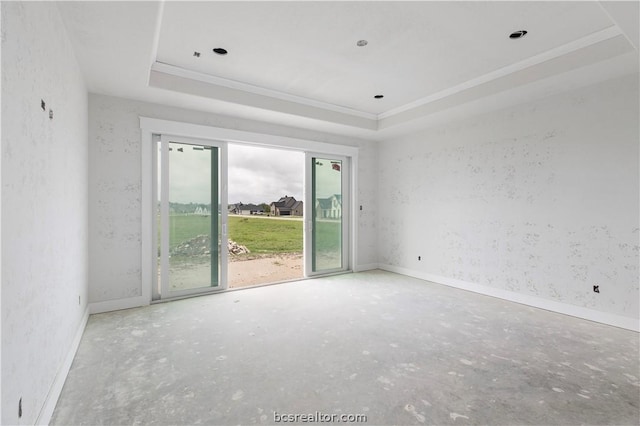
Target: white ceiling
297 63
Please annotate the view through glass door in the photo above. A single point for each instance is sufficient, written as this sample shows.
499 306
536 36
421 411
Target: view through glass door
191 222
327 227
265 223
192 217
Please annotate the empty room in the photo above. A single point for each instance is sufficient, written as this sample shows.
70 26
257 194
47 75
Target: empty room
320 212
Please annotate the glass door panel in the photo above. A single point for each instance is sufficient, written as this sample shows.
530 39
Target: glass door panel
190 218
328 222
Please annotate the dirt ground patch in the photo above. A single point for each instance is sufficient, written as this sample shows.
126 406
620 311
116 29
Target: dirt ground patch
243 271
262 269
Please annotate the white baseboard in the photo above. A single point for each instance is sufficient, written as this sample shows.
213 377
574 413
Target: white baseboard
56 388
117 304
628 323
365 267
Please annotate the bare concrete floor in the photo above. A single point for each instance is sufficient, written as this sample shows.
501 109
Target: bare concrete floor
395 349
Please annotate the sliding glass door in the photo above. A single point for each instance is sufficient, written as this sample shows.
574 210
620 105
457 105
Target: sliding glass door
191 206
191 216
326 227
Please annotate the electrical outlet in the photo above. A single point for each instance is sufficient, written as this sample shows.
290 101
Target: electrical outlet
596 289
419 257
20 408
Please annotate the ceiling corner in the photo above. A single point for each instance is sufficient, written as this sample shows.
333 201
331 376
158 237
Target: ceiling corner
626 15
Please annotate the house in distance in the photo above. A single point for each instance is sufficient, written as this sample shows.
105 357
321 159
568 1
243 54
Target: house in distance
286 206
329 208
245 209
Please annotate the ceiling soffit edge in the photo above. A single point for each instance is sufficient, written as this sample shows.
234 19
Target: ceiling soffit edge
565 49
168 81
557 66
250 88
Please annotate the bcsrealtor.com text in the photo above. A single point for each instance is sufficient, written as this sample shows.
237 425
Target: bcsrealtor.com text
318 417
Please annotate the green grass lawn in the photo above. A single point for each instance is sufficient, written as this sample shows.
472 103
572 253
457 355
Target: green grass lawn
328 236
185 227
258 234
263 235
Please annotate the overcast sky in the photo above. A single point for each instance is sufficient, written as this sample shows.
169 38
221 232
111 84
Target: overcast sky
256 175
262 175
189 174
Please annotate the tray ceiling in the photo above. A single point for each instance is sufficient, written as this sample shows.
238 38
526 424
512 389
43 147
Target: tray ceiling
302 58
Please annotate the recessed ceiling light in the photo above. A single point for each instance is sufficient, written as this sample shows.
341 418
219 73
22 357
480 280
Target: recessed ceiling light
220 51
196 54
518 34
379 96
362 43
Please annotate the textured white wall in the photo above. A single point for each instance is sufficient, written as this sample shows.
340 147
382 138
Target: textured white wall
115 187
44 204
1 44
539 199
